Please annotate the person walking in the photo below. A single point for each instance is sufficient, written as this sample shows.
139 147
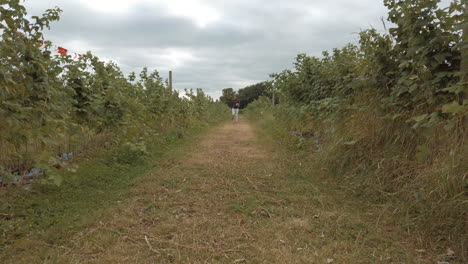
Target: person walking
235 109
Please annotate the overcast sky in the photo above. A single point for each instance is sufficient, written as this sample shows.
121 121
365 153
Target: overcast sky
209 44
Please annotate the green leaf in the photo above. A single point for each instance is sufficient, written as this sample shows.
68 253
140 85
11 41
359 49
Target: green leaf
453 108
413 77
450 125
420 118
350 143
440 58
413 87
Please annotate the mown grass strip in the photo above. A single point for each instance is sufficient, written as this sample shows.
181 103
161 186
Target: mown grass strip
50 213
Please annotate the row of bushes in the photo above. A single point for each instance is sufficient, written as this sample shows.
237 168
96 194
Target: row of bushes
53 104
390 115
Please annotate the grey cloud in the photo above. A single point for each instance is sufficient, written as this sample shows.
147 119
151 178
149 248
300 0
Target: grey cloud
252 38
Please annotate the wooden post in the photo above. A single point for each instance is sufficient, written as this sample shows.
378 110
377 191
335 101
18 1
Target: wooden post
170 81
273 98
272 85
464 63
464 48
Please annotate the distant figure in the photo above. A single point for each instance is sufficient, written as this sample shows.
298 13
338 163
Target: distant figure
235 109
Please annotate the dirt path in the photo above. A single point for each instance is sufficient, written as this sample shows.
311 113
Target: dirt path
230 199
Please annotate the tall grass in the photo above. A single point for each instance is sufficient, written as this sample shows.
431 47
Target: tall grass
418 175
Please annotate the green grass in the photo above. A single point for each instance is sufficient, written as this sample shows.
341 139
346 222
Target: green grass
50 213
431 224
261 201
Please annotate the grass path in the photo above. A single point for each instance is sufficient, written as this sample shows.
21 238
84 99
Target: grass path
231 198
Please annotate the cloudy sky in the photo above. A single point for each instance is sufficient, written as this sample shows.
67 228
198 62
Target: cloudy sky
209 44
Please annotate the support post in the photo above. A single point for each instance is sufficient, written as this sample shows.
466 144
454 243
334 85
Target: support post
170 81
273 98
464 65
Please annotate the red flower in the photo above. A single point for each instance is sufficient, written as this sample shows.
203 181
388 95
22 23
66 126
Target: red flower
62 51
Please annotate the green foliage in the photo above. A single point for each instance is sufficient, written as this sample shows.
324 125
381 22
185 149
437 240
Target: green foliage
387 116
228 96
52 103
253 92
247 94
260 104
427 44
50 213
131 152
413 70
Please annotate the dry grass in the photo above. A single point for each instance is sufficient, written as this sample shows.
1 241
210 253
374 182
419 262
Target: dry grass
427 196
232 199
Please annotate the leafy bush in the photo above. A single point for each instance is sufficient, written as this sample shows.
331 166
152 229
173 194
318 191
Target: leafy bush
389 113
53 104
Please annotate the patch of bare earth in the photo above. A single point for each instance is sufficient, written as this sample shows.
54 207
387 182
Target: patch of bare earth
229 200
